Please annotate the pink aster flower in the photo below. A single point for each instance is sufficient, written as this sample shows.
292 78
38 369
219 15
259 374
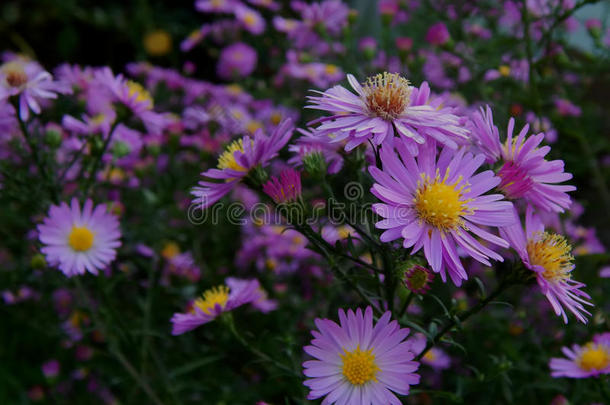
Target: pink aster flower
437 203
357 362
216 301
549 256
384 104
418 279
590 360
236 162
437 34
286 188
525 173
77 241
30 83
236 60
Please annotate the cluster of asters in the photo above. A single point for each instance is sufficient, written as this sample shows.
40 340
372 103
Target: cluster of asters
450 186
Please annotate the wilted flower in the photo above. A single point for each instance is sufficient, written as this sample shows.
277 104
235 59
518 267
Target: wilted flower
418 279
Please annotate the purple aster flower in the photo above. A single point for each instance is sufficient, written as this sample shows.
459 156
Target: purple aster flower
437 203
236 60
358 362
549 256
31 83
50 369
435 357
216 6
216 301
525 173
77 241
250 19
286 189
384 104
134 96
236 162
590 360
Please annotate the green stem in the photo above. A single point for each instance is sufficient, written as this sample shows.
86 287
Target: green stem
405 305
35 157
98 160
113 345
463 317
263 356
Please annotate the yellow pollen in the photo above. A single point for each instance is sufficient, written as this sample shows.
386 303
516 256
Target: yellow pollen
331 69
170 250
504 70
250 18
430 355
359 367
386 95
227 159
440 204
212 297
551 252
234 89
80 238
98 118
276 118
140 93
15 75
344 232
594 357
158 43
252 126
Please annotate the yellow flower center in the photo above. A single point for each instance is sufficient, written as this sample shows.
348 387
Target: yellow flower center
430 355
276 118
250 19
331 69
253 125
594 357
551 252
359 367
158 43
140 93
386 95
15 75
170 250
440 204
227 159
80 238
504 70
212 297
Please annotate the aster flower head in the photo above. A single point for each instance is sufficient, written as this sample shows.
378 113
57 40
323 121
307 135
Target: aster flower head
286 189
236 162
418 279
31 83
525 174
437 204
435 357
590 360
315 153
215 301
358 362
78 240
549 256
134 97
250 19
236 60
384 105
